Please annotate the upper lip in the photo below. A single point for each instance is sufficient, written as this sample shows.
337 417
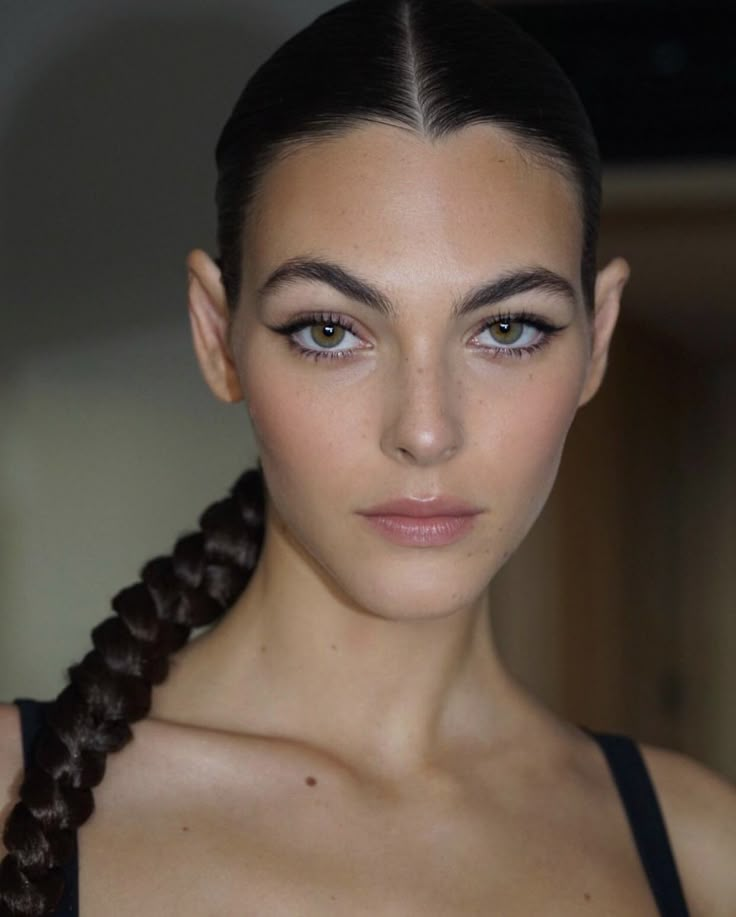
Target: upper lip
435 506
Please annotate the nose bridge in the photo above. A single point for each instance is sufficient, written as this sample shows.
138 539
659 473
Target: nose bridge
424 422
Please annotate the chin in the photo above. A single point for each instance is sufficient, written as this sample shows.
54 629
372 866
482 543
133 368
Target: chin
407 606
399 589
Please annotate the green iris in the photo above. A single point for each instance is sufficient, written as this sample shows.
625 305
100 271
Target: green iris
328 335
506 332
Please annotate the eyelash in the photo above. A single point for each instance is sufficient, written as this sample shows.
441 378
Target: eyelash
328 318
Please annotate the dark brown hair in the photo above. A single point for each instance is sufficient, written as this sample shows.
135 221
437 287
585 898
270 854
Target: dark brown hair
429 66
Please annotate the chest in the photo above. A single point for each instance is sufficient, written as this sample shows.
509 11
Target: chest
288 847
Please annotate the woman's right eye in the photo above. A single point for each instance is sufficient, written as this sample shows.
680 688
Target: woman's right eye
328 335
320 337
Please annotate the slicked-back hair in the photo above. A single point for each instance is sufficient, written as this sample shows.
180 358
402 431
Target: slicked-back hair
428 66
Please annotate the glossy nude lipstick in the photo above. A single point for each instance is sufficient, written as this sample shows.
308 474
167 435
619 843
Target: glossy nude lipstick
422 523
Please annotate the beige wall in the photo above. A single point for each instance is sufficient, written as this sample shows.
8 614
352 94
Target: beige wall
708 567
110 449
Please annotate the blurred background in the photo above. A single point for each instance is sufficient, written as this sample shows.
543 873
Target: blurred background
620 609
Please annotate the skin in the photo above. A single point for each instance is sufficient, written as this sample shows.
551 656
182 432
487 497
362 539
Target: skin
348 731
416 412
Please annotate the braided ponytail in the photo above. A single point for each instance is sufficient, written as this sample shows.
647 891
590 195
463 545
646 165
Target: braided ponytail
111 688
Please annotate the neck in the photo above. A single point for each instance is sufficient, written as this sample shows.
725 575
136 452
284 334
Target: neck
295 658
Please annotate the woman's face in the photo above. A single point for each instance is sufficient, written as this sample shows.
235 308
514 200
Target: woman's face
416 397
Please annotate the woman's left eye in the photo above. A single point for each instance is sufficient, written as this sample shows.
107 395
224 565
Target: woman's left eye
516 334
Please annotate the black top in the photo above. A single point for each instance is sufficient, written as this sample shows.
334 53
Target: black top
627 767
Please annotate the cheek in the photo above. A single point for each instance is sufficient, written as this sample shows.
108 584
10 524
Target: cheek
525 444
306 435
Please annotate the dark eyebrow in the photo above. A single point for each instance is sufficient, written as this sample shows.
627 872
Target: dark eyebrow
331 274
510 283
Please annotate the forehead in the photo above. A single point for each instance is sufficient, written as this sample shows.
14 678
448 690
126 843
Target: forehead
405 209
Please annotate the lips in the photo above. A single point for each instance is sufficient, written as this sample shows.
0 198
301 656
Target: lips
436 522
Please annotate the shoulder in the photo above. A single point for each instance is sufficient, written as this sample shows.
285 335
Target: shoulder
11 761
699 807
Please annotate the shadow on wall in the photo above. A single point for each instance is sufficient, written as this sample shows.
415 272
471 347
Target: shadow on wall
107 174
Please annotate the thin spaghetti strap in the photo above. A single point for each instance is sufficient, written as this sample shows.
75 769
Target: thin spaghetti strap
645 818
32 719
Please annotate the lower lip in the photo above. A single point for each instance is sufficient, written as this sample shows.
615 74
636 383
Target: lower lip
430 531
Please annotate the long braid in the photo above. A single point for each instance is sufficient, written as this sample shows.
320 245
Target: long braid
111 688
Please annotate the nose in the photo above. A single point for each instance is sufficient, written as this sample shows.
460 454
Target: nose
423 424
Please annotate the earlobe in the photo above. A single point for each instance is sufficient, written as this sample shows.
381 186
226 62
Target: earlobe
209 315
609 287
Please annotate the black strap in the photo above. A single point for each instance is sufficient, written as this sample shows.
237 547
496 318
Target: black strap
32 719
647 824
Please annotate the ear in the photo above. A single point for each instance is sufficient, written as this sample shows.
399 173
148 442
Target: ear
210 318
609 286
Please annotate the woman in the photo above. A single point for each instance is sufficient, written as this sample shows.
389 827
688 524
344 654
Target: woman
407 302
